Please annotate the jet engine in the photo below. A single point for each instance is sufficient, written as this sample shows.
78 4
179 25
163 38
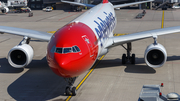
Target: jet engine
155 55
5 10
20 55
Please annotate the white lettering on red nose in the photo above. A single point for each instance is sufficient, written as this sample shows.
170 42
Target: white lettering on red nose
89 44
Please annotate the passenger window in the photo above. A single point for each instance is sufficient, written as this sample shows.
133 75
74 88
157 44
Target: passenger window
67 50
59 50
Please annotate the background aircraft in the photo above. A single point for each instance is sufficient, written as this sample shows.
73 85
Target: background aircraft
74 48
12 3
3 7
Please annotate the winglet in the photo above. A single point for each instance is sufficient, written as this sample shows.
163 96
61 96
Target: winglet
105 1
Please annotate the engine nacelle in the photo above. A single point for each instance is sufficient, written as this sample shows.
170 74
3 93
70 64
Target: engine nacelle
20 55
155 55
5 10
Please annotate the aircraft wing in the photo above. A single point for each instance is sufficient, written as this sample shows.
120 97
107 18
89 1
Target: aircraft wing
26 32
129 4
115 6
80 4
119 40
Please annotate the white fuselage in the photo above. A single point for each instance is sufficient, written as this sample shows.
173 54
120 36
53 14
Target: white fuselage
101 19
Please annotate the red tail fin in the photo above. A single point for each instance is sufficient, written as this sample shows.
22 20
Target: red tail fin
105 1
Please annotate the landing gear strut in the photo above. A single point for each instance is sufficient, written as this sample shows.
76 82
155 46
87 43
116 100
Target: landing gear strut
70 89
128 58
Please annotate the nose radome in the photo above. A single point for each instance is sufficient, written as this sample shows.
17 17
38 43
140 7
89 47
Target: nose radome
66 64
71 64
62 61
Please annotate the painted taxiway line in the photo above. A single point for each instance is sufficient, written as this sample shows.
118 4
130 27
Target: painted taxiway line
68 16
52 32
162 22
5 40
120 34
86 76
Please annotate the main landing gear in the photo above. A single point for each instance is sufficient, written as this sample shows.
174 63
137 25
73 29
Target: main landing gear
128 58
70 89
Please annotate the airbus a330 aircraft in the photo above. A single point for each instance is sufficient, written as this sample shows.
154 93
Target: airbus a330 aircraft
74 48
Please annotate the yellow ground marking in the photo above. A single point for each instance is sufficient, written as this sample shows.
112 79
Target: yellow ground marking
119 34
52 32
87 75
162 24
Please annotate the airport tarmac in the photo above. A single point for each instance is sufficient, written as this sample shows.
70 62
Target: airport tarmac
109 80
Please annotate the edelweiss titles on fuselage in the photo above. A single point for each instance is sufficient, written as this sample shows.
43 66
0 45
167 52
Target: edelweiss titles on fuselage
105 26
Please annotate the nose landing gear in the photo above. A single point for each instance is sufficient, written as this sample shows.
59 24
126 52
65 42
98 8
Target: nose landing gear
70 89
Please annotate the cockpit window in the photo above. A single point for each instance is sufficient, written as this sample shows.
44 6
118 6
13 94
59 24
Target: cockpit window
67 50
77 48
73 49
53 49
59 50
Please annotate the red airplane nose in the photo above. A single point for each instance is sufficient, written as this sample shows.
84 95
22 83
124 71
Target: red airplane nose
62 64
72 50
67 65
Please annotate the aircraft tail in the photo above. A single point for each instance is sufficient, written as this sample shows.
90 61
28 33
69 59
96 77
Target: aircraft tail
105 1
